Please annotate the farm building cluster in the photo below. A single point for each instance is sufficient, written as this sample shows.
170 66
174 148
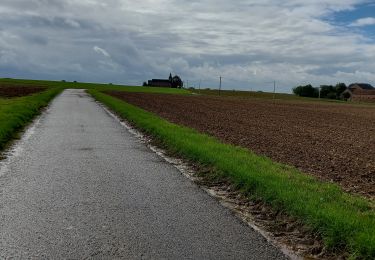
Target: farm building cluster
359 92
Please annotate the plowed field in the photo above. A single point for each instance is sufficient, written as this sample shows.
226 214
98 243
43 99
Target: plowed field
10 91
334 142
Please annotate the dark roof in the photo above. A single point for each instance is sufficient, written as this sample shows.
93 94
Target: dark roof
160 80
362 86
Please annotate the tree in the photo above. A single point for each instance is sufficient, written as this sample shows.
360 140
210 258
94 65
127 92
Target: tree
145 84
325 90
306 91
340 88
346 95
331 95
177 82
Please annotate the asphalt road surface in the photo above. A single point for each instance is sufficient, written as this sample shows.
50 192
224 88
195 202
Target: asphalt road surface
81 186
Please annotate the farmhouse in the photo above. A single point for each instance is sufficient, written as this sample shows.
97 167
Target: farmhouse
171 82
164 83
359 92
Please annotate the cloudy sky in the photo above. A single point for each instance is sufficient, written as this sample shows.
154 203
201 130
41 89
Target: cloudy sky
250 43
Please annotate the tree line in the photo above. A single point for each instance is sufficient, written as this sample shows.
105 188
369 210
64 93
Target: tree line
326 91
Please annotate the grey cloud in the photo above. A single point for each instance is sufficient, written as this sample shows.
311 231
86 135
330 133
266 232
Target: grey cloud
35 39
35 22
290 41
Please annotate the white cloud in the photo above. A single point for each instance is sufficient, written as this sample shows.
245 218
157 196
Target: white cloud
101 51
363 22
72 23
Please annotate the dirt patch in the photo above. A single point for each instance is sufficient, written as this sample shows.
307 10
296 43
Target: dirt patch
278 227
10 91
334 142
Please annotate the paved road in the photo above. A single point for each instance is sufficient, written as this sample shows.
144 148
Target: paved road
82 186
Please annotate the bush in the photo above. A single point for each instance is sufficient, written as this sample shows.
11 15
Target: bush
340 88
346 95
331 95
325 90
306 91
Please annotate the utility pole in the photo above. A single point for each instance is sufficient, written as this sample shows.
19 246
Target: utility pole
319 92
274 89
200 81
220 87
187 83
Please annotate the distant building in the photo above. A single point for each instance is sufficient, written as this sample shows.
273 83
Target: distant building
171 82
164 83
359 92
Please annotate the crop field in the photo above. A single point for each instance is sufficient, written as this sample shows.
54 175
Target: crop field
10 91
334 142
249 94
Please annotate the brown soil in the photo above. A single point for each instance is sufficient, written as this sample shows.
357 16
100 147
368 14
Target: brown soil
9 91
334 142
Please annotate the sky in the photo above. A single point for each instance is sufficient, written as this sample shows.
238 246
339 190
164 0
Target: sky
250 43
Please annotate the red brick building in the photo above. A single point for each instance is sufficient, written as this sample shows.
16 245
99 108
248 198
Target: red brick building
360 92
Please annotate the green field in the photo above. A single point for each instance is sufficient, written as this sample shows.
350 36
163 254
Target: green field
15 113
345 222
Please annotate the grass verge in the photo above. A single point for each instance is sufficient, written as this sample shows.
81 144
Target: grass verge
15 113
344 221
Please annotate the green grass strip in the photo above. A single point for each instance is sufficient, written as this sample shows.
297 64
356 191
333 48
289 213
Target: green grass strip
346 222
16 113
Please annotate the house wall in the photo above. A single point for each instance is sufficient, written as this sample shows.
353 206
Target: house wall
163 84
366 98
